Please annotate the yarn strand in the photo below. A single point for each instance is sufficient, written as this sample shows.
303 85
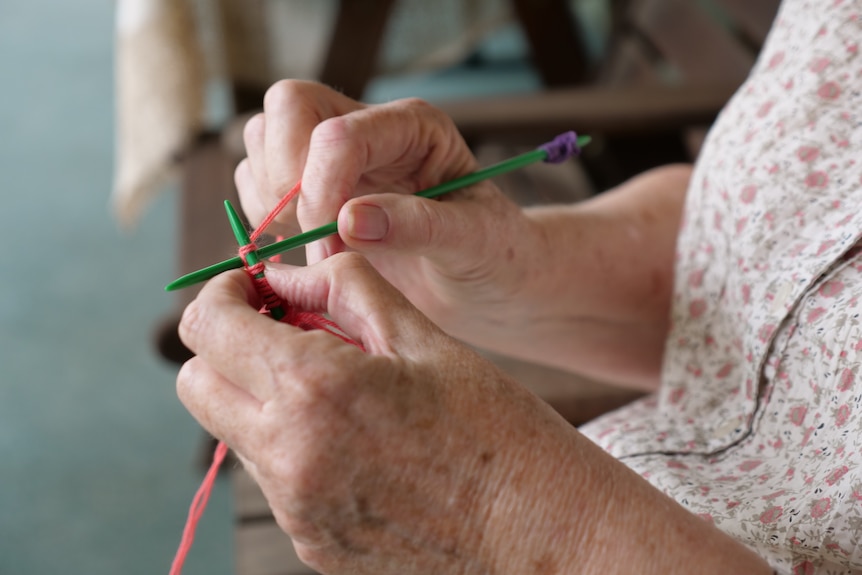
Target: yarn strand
299 318
196 510
270 217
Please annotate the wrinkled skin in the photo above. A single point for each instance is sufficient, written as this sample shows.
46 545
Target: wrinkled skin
373 462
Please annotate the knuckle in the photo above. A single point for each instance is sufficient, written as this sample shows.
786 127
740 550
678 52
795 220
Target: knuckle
349 260
418 102
283 94
302 482
192 323
185 380
427 110
247 189
285 471
317 557
242 175
337 130
295 523
428 223
350 266
296 526
253 130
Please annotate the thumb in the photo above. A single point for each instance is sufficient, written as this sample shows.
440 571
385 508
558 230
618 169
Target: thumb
356 297
443 231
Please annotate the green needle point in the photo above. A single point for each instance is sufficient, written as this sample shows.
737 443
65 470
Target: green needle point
243 240
204 274
562 147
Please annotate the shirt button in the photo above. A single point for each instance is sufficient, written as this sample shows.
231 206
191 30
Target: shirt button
781 297
726 428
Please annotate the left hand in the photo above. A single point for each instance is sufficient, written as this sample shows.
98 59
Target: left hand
417 456
388 461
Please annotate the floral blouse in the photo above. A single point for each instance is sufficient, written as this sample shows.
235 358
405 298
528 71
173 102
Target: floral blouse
758 424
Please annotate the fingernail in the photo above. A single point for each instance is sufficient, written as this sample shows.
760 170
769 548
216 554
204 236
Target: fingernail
367 222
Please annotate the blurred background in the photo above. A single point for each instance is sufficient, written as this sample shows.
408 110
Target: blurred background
120 123
97 457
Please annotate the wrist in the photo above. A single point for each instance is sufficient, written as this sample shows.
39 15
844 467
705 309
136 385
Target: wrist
542 517
566 506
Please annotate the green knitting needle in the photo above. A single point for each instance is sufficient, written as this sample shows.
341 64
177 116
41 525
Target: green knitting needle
251 257
559 149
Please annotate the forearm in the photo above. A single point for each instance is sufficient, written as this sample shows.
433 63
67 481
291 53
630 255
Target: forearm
598 282
569 507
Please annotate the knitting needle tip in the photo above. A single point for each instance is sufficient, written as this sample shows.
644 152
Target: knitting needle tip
252 257
204 274
215 269
236 225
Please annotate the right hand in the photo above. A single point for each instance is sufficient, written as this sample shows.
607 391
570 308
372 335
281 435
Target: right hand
461 260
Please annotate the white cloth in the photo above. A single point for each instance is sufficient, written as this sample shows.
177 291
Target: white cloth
159 81
758 423
170 53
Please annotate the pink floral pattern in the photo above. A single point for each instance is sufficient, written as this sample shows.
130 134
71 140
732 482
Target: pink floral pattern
758 423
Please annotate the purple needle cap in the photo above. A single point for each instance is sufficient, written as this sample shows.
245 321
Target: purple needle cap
561 148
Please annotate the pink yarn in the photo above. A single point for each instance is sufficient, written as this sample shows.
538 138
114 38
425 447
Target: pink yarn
196 510
294 191
299 318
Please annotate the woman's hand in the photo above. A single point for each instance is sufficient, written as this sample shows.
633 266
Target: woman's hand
585 287
417 456
461 260
388 461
